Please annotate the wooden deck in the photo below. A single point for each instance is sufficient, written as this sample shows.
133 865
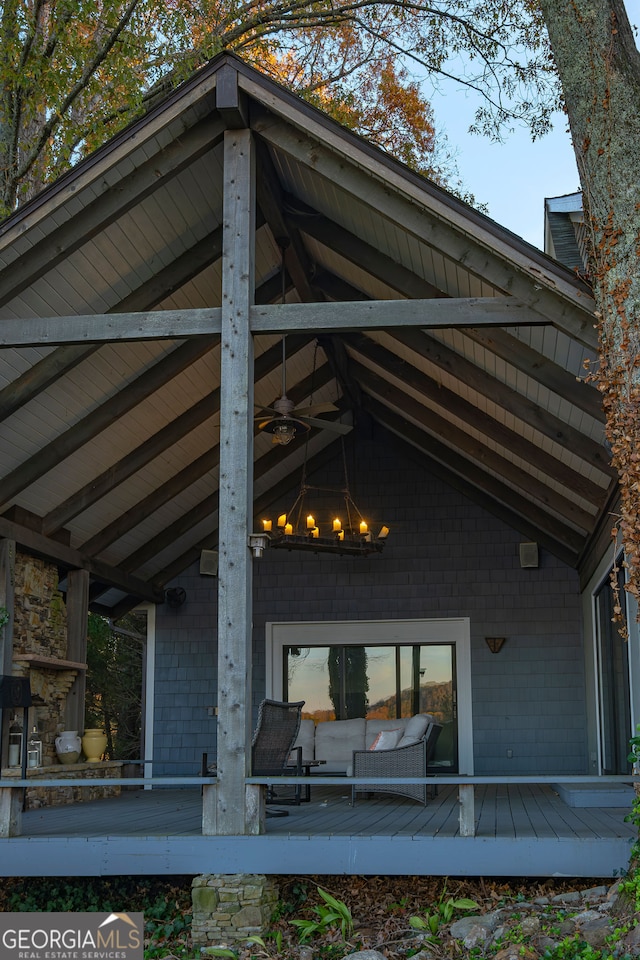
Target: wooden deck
521 830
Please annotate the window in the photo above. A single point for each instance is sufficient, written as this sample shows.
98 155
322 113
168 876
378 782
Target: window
378 669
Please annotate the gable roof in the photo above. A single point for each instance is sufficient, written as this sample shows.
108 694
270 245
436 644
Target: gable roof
110 282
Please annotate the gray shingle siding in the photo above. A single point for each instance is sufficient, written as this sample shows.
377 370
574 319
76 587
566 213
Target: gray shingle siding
445 557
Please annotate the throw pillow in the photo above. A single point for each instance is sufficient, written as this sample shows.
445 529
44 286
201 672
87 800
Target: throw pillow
386 740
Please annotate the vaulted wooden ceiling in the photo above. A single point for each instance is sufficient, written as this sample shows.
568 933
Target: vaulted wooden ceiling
451 332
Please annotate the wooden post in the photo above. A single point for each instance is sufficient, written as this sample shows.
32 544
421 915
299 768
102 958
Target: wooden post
466 799
7 585
234 815
10 811
10 798
77 619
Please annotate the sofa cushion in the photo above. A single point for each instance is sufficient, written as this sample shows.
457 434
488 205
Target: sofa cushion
336 740
415 729
306 739
374 727
386 740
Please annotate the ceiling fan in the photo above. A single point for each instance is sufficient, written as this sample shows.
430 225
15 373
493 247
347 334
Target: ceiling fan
287 420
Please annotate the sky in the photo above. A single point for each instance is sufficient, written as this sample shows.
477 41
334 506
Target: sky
511 178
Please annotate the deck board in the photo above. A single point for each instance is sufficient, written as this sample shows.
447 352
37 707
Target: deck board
522 827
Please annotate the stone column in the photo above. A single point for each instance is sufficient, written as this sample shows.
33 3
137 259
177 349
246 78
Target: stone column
230 907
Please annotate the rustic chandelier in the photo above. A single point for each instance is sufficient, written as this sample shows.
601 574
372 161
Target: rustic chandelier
345 531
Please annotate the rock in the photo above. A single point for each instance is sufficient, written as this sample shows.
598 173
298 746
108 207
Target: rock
365 955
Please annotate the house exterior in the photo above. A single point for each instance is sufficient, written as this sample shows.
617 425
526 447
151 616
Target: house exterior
234 246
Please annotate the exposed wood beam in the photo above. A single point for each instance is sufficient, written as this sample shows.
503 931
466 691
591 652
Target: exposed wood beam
101 485
487 491
557 302
162 440
270 198
404 375
110 327
358 251
268 318
504 396
61 242
580 393
174 486
74 559
261 504
62 360
375 314
40 376
103 416
477 452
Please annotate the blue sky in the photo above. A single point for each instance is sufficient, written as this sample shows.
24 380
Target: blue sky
511 178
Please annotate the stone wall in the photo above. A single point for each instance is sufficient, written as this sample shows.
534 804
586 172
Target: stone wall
231 907
40 630
41 796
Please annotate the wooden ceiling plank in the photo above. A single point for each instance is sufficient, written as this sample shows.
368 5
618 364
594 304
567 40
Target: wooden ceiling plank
164 438
517 277
358 251
580 393
127 466
433 392
41 375
506 397
146 179
260 505
73 559
545 527
60 361
476 451
103 416
175 485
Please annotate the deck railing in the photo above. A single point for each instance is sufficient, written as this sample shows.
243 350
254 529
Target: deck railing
11 788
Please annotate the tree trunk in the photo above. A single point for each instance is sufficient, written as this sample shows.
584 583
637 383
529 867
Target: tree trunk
599 69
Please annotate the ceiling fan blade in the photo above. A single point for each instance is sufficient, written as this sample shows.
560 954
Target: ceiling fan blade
315 409
332 425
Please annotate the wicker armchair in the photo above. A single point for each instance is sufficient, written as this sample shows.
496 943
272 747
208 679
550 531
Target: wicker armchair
272 751
409 761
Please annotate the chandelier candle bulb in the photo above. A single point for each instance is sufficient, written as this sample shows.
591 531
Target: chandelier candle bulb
340 534
315 532
282 520
288 529
310 522
337 525
266 526
363 527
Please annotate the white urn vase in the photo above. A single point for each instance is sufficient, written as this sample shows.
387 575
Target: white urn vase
68 746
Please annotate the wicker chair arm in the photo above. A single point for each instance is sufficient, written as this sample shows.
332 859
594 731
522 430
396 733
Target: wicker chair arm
409 761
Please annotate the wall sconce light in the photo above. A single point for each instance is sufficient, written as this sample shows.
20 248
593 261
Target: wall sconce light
175 597
257 543
495 643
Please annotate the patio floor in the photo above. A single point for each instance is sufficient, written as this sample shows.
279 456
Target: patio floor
522 830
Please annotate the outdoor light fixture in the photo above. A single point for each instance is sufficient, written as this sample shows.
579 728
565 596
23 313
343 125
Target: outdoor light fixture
495 643
344 531
257 543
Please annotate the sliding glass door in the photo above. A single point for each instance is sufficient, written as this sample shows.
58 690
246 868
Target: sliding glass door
378 681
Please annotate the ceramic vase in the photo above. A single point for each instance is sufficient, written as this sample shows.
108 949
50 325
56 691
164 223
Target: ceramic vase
94 743
68 746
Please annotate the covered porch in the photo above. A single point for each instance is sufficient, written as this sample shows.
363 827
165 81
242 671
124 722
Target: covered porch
448 356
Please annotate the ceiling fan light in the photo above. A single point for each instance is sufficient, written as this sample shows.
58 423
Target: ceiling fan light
284 432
